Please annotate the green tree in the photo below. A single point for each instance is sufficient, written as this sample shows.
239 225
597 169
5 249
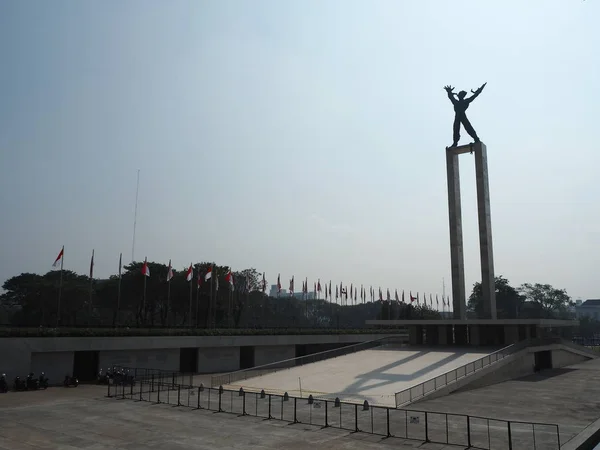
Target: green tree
550 302
509 303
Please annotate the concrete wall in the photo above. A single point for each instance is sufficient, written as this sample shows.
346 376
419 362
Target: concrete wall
215 359
165 359
15 358
16 353
563 358
55 365
267 354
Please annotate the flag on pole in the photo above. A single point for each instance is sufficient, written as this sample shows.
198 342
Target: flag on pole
208 274
120 263
412 299
396 296
388 297
190 273
216 284
380 295
169 272
92 265
58 260
264 283
330 289
402 295
325 292
437 300
145 268
319 285
292 286
430 300
336 292
278 284
199 279
351 291
229 279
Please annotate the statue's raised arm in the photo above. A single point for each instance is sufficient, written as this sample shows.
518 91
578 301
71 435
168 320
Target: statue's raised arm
449 89
476 93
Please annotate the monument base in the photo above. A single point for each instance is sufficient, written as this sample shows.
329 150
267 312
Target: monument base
482 332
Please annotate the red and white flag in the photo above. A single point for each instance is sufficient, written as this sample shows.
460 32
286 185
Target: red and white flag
59 258
199 279
145 268
169 272
229 279
190 273
292 286
208 274
319 285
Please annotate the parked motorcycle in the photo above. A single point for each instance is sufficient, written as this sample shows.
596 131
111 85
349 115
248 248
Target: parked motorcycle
31 382
19 385
42 381
70 381
3 384
104 378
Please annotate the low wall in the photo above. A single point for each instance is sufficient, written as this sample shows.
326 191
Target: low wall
215 353
164 359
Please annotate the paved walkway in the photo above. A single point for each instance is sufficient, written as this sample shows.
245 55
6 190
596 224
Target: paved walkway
568 397
81 418
374 375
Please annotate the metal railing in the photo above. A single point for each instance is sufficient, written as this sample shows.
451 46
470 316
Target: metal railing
143 374
244 374
420 390
443 428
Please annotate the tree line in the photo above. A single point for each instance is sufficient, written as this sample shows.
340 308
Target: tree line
131 299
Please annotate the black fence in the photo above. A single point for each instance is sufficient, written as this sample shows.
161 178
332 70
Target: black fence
427 426
244 374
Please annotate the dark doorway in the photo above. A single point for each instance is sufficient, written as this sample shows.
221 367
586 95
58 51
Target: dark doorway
246 357
188 360
543 360
85 365
301 350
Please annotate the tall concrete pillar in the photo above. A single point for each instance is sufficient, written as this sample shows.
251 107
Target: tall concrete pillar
488 282
457 259
485 231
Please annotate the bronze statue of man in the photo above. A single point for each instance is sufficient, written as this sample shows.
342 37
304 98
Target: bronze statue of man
460 107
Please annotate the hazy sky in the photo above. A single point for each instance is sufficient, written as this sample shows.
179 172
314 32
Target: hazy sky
299 137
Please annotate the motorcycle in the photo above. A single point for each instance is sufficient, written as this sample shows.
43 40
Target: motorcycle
43 381
104 378
3 384
70 381
19 385
31 382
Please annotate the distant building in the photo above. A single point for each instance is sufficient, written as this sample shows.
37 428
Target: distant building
589 308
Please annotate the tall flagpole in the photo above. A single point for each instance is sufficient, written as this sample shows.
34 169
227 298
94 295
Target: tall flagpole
191 294
209 312
169 270
197 295
137 191
119 290
91 281
144 298
62 260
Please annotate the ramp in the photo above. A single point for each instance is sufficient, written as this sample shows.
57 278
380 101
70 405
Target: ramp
373 375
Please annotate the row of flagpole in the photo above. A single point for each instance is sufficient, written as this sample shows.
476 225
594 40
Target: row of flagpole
341 292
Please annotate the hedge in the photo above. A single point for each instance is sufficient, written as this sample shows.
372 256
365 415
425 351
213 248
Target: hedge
125 331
